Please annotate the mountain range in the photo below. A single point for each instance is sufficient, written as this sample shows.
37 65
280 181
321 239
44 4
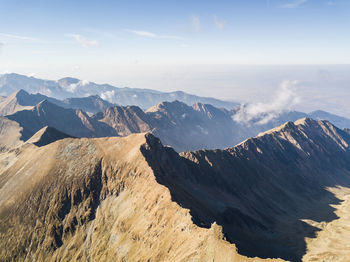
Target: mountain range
84 179
72 88
177 124
133 199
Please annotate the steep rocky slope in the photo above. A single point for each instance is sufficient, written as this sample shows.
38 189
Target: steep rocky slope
10 134
186 128
262 190
17 101
97 200
125 120
132 199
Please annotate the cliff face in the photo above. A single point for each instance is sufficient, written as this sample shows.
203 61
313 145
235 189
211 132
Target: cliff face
132 199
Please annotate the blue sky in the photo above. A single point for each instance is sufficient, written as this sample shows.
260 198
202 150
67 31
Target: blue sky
175 32
187 45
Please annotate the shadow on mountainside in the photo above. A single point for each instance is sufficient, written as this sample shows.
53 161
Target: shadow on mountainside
259 199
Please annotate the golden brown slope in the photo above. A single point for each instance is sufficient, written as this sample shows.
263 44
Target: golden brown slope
96 200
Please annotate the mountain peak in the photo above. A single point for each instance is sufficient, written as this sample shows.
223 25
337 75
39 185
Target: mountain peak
47 135
166 105
67 82
290 125
45 105
21 93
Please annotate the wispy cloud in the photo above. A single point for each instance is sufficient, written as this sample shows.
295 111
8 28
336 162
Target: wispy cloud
151 34
19 37
195 23
294 4
330 3
84 42
284 99
220 24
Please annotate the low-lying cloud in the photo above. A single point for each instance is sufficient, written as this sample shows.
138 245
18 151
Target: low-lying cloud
284 99
108 95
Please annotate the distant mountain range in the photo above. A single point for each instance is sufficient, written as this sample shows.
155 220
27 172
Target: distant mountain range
71 87
21 100
177 124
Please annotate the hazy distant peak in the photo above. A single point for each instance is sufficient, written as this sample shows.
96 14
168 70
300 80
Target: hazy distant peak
165 105
68 80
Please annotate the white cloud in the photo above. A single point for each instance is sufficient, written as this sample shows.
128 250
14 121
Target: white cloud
84 82
150 34
220 24
108 95
284 99
195 23
294 4
19 37
83 41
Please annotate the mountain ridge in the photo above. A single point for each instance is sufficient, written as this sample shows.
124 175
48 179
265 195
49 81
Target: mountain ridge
294 162
134 195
